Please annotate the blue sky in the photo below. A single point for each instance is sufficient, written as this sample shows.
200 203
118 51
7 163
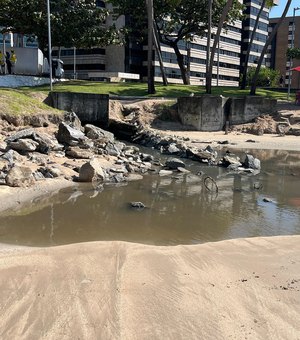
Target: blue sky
277 10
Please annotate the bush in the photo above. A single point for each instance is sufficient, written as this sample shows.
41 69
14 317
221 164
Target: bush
266 77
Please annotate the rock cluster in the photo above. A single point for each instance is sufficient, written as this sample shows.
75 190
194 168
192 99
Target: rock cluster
91 154
179 147
77 153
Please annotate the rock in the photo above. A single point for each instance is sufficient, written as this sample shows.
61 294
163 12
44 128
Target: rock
38 176
11 156
36 120
24 145
72 119
233 162
137 205
165 172
268 200
94 132
174 164
114 149
283 128
19 176
247 170
257 185
120 170
133 177
68 135
252 162
91 171
76 152
26 133
45 142
118 178
55 172
173 149
146 158
183 170
3 146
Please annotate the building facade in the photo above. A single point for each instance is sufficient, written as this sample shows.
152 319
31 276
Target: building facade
287 36
129 61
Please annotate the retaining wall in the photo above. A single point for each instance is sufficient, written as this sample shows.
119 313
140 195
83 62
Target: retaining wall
204 113
209 113
89 107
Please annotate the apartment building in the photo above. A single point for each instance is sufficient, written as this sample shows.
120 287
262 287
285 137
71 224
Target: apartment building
287 36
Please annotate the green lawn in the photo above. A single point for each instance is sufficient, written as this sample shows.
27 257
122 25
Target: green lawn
16 102
140 89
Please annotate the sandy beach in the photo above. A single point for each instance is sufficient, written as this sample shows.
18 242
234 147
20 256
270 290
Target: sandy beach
237 289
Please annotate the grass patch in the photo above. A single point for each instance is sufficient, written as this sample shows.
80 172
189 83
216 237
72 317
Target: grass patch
140 89
16 102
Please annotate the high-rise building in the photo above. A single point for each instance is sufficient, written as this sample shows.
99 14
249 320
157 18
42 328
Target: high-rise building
287 36
252 8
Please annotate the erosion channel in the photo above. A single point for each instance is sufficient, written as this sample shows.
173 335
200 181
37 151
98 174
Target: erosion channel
178 207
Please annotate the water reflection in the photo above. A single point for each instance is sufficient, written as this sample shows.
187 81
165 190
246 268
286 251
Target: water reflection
179 209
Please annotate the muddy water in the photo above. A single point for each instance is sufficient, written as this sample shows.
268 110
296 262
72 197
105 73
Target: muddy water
179 208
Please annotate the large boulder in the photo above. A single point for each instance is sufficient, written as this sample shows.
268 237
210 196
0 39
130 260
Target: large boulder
94 132
19 176
42 141
26 133
73 120
68 135
91 172
24 145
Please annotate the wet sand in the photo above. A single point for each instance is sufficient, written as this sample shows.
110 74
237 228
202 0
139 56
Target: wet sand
237 289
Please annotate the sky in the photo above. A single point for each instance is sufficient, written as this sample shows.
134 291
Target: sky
277 10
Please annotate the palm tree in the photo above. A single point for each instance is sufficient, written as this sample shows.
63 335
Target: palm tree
268 3
264 50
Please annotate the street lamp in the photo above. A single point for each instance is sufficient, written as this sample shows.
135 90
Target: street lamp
292 46
49 44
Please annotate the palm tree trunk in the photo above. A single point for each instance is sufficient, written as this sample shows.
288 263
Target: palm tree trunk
214 47
268 42
244 74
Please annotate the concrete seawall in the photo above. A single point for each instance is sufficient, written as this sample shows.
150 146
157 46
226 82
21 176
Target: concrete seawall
209 113
89 107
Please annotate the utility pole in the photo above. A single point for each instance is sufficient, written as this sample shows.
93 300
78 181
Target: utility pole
150 73
208 81
292 46
49 44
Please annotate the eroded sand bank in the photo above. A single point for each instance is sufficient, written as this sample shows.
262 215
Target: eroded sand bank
237 289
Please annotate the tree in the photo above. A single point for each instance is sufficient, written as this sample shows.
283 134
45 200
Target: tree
268 3
177 21
77 23
266 77
293 53
221 24
268 42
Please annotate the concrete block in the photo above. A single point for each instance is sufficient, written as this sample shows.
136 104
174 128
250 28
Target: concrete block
89 107
204 113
